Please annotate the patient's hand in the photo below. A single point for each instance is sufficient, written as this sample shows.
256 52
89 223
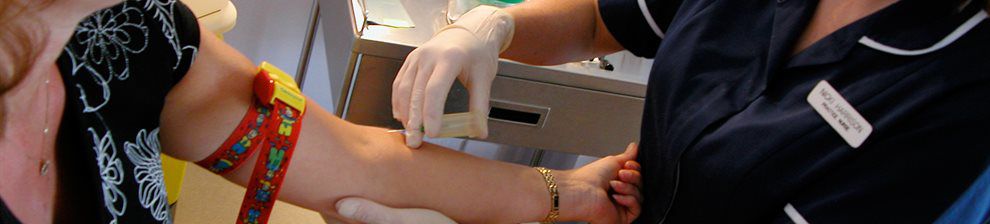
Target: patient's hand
606 191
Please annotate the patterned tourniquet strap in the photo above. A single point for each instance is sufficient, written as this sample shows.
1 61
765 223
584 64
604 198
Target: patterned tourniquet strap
269 170
272 124
241 144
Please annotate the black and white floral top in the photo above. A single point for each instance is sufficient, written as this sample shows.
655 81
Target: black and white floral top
117 68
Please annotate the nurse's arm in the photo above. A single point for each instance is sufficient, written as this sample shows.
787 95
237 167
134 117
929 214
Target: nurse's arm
551 32
335 159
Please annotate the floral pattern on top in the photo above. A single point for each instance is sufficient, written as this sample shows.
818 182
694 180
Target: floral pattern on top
109 37
145 155
121 62
111 172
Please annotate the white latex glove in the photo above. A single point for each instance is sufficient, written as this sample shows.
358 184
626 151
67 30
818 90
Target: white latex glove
467 50
367 211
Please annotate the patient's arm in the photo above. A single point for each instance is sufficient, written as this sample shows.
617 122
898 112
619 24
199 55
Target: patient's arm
335 158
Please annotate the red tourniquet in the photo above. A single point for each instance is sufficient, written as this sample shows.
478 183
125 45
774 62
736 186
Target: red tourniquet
271 125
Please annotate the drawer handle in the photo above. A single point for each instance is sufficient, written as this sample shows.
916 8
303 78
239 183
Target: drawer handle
514 116
518 113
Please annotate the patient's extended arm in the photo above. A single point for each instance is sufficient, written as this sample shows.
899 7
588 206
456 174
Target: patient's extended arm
336 159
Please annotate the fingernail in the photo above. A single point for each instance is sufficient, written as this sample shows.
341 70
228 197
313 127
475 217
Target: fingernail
614 183
632 165
616 196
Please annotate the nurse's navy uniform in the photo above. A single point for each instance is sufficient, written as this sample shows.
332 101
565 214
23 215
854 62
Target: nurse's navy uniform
729 135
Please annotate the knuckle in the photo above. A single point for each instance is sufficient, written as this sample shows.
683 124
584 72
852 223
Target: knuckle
418 51
433 87
454 52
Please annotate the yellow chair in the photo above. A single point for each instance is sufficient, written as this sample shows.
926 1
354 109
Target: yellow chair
175 170
218 16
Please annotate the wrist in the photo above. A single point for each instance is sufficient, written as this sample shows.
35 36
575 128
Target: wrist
491 25
573 196
574 202
579 198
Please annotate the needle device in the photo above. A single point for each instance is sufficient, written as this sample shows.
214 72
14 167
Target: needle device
454 125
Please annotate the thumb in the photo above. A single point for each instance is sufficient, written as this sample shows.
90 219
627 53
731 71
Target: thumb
366 211
630 153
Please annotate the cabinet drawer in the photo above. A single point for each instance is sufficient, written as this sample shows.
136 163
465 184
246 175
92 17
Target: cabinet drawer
560 118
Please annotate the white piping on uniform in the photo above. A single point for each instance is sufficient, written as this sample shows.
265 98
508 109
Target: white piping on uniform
794 215
952 37
649 18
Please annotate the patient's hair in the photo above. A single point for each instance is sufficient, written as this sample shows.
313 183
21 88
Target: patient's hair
19 44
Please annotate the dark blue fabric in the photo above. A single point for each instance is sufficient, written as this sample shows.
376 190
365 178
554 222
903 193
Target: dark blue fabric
973 207
728 136
626 22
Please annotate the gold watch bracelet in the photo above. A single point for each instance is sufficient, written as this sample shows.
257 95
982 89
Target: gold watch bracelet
554 197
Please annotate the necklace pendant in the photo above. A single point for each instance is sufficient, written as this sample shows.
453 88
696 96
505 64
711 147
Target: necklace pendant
44 167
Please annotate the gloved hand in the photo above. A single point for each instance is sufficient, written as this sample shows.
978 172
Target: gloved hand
467 50
366 211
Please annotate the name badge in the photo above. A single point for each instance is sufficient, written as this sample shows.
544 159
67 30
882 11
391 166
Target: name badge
839 114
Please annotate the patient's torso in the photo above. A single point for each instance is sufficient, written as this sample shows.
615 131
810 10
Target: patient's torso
115 70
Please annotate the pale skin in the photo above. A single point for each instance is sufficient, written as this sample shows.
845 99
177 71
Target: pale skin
333 158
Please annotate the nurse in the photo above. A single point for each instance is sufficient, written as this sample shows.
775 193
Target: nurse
757 111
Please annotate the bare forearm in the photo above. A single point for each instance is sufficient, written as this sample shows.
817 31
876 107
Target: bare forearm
367 162
558 31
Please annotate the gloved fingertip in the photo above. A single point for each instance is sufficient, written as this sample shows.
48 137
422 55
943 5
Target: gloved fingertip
431 129
413 145
432 135
413 138
347 207
480 125
483 134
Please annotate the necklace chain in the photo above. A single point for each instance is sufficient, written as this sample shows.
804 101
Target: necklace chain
45 162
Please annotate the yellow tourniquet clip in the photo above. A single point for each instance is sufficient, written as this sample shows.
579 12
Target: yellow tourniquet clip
285 88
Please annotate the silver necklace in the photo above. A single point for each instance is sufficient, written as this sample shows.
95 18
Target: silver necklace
45 163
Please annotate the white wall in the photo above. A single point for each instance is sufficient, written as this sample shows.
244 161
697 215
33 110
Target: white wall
274 31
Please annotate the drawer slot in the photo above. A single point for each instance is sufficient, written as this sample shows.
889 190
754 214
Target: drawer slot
518 113
514 116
